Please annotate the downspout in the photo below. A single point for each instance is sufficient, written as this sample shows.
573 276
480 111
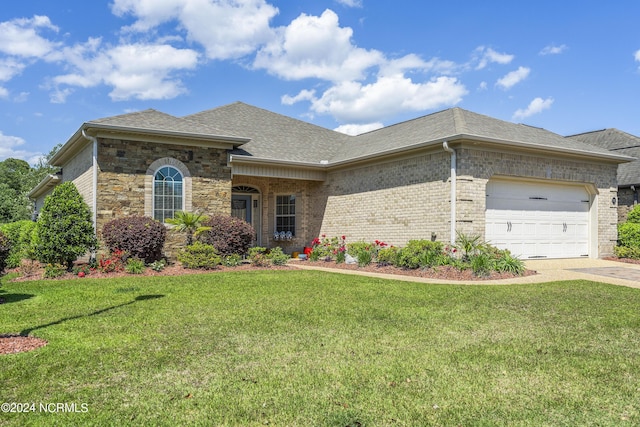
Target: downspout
446 148
94 197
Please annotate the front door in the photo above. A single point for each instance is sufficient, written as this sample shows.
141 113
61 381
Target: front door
241 207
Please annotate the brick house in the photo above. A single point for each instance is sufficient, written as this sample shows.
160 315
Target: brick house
519 187
620 142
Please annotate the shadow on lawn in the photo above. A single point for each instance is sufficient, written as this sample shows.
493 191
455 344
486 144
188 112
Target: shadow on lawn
26 332
6 298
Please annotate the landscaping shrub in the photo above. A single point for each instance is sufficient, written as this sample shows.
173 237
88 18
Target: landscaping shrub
134 266
232 260
634 215
482 264
629 235
388 256
139 236
258 256
5 249
51 271
228 234
112 262
506 263
19 233
420 254
199 256
364 252
158 265
65 228
277 257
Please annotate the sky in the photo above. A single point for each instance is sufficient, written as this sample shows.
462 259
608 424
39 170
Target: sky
351 65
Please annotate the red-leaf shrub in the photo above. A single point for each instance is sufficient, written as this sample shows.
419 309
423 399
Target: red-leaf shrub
228 234
139 236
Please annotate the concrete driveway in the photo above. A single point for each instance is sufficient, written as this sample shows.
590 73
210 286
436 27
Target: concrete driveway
598 270
549 270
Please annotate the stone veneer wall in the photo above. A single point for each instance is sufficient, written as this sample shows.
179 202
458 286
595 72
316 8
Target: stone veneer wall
476 167
305 191
123 166
393 201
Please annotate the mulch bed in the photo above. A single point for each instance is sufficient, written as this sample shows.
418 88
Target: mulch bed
10 344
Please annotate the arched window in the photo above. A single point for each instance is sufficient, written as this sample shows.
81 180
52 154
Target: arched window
168 193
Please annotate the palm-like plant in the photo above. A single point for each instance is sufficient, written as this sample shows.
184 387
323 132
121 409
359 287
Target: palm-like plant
188 222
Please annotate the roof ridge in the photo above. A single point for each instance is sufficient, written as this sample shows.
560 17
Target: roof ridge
459 122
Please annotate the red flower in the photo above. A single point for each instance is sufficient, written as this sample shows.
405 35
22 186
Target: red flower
344 238
81 274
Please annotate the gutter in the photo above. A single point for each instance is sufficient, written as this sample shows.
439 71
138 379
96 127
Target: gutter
454 178
94 195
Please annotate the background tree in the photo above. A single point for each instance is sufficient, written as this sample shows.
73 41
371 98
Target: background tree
65 228
17 179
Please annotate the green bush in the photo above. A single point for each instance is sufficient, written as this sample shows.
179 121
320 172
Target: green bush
625 252
258 256
158 265
277 257
482 264
134 266
232 260
19 233
388 256
634 215
228 234
139 236
506 263
65 228
51 271
629 235
199 256
420 254
5 250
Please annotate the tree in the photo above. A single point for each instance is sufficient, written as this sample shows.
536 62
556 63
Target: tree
188 222
65 229
14 187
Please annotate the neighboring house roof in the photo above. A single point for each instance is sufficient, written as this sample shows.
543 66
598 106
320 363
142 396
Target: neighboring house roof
274 136
619 142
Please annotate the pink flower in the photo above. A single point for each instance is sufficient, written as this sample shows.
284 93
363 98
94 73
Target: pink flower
81 274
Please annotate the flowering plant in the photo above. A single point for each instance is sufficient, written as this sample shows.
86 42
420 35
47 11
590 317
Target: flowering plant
328 248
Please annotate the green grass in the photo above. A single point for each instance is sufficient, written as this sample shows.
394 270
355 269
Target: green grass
310 348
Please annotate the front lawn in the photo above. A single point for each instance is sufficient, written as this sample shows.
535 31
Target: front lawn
312 348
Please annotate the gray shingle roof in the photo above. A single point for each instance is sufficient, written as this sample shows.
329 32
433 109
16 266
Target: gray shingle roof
273 136
158 121
617 142
456 123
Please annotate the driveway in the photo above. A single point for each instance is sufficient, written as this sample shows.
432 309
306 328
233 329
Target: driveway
549 270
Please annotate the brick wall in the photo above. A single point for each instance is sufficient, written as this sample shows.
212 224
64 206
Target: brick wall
394 201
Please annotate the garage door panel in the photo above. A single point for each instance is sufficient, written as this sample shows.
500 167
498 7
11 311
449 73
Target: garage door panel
538 220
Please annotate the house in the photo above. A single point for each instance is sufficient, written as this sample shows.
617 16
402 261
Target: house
521 188
620 142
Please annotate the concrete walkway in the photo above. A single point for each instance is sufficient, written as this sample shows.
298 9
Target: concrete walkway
597 270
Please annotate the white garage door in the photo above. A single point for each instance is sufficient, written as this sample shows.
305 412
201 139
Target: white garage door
536 220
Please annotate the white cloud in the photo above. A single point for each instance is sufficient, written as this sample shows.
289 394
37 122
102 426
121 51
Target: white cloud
227 29
350 3
19 37
363 103
9 148
140 71
316 46
553 49
536 106
513 78
486 55
637 55
355 129
4 93
303 95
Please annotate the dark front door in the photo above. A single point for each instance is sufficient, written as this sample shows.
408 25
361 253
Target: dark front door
241 207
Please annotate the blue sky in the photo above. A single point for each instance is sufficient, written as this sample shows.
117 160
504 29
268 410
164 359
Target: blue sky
351 65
